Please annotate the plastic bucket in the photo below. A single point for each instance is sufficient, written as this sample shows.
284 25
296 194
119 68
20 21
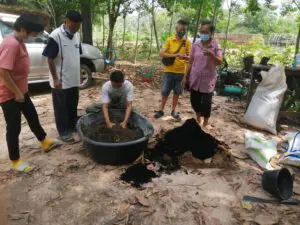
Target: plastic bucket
115 153
278 183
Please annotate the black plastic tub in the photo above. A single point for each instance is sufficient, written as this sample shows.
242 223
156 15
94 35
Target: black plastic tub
115 153
279 183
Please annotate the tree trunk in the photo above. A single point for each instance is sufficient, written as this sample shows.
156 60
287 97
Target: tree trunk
110 42
214 18
112 23
103 30
151 41
154 25
113 13
87 29
172 17
124 30
227 29
198 19
298 42
137 37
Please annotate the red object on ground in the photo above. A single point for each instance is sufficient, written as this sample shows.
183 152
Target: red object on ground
146 79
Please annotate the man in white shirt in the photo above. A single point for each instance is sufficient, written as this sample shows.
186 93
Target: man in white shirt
63 52
117 93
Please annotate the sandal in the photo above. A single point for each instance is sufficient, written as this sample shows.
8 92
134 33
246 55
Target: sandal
175 115
50 144
21 166
158 114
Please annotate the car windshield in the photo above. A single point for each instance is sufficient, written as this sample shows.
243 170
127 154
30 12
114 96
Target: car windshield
6 28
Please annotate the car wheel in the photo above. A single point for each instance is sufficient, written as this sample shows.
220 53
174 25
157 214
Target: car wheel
86 77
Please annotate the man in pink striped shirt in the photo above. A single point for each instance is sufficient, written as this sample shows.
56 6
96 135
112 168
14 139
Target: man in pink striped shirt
205 56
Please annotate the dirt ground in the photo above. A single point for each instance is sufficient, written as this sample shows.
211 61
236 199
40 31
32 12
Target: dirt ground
67 188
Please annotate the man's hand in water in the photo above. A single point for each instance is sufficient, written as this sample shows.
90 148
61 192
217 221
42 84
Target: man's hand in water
123 124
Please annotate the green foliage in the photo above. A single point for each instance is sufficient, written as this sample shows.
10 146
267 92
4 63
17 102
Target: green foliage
252 6
290 95
164 36
55 8
248 16
288 7
258 48
266 22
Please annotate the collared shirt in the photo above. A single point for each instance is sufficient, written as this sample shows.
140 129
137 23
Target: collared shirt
65 50
14 58
203 75
172 44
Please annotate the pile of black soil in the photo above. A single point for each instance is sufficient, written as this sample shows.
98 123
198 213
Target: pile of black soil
188 137
100 133
138 175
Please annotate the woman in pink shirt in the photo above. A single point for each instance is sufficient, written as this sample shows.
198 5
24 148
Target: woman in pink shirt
14 98
205 56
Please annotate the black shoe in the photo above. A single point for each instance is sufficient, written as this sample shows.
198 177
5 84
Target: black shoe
158 114
175 115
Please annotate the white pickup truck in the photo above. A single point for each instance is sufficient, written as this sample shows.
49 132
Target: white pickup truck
91 59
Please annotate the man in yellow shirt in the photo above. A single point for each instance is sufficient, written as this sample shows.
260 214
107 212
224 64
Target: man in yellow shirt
177 46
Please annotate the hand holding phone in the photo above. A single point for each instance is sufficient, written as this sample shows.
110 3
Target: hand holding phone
208 52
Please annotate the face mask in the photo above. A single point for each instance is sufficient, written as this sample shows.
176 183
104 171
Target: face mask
205 37
180 34
69 33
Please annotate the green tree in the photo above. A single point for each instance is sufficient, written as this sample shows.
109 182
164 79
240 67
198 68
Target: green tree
192 11
57 9
154 23
231 4
252 6
151 41
172 16
139 9
263 22
113 10
150 7
217 7
201 6
125 12
289 6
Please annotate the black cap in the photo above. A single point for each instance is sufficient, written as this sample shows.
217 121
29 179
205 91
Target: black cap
74 16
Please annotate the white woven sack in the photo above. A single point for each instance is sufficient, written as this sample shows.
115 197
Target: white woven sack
264 107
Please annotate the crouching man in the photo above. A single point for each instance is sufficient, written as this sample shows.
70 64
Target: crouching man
118 94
